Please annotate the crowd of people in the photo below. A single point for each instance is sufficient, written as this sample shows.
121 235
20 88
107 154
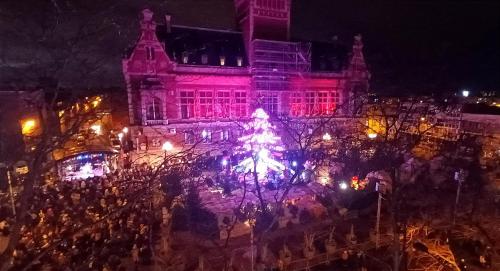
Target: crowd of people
100 223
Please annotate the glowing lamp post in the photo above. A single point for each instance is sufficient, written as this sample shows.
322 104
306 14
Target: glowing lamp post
96 128
28 127
166 147
465 93
327 137
343 185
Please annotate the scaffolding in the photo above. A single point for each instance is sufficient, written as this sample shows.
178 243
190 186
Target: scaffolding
275 62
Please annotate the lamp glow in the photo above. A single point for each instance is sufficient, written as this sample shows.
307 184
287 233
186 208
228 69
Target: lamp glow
120 136
324 181
343 186
372 135
465 93
224 162
125 130
167 146
327 137
28 126
96 128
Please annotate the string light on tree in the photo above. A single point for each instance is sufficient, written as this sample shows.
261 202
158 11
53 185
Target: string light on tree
260 145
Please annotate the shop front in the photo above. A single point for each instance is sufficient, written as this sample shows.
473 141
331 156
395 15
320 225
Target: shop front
86 165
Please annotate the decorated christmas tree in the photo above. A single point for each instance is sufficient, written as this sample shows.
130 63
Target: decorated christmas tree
260 147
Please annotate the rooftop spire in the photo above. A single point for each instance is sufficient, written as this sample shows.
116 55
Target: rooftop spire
357 64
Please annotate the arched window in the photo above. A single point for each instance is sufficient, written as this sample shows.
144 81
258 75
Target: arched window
154 109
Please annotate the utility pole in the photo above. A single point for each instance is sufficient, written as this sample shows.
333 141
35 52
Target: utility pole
13 205
379 207
460 178
377 230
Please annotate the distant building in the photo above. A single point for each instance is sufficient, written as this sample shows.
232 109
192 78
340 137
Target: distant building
15 109
184 80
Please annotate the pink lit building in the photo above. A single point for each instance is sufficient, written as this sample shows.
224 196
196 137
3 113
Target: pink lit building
183 80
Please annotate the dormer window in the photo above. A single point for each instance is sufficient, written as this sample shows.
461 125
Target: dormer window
239 61
150 53
204 59
185 57
222 60
154 109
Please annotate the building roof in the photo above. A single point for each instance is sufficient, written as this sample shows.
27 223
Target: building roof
481 109
195 42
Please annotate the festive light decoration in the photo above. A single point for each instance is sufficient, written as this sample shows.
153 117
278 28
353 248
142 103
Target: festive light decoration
358 184
260 146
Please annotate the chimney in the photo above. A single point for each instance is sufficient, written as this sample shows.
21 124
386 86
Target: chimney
168 22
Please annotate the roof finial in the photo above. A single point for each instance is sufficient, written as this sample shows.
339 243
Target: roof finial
147 15
358 41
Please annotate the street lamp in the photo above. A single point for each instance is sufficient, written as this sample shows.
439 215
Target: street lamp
96 128
343 186
460 176
327 137
28 126
372 135
167 146
125 130
465 93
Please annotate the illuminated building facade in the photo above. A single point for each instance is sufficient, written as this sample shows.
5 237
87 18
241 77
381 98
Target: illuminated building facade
183 82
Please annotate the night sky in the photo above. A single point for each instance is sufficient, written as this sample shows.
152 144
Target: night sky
410 46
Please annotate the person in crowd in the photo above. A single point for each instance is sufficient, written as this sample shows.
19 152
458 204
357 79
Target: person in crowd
85 224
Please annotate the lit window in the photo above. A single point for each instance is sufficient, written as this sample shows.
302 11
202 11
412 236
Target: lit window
187 104
150 53
224 135
156 142
322 103
270 103
223 104
296 104
310 103
206 104
334 101
239 61
185 57
189 137
240 104
206 136
154 110
222 60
